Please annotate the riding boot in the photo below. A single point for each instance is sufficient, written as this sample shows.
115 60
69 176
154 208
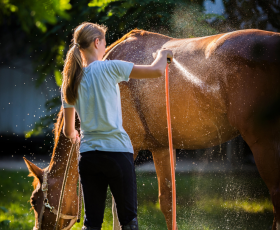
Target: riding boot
132 225
89 228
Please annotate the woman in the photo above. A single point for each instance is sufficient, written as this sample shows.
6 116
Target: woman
106 154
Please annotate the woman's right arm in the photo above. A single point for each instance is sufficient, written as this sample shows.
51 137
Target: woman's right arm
156 69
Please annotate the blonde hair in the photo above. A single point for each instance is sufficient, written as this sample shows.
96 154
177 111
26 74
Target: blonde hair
83 36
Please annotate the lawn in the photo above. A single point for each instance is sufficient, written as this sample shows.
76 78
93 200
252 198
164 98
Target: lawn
204 201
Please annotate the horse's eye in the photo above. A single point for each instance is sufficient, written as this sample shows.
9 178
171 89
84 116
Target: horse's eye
33 202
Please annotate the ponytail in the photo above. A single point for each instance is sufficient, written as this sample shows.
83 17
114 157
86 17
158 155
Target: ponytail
72 75
83 36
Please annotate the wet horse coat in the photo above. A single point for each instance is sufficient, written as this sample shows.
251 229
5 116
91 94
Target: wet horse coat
220 86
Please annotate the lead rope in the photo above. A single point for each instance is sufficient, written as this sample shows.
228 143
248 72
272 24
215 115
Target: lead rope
63 184
80 201
170 148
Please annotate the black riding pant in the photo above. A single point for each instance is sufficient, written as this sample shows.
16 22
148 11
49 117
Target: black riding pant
97 170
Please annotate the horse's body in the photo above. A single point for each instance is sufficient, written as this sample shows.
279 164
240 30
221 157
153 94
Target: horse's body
229 85
220 86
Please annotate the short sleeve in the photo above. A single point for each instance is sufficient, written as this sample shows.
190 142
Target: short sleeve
64 104
120 69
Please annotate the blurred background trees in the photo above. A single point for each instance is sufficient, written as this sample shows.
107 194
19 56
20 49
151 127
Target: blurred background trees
246 14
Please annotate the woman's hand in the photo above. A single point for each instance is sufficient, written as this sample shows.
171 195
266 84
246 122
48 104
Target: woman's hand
166 53
75 137
156 69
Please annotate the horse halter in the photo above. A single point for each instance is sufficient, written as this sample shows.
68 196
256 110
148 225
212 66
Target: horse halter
52 209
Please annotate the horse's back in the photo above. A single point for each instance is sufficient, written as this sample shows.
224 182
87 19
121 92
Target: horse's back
250 45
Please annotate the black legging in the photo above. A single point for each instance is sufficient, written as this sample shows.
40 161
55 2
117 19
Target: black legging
97 170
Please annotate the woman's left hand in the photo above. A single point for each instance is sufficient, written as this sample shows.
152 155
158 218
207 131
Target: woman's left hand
75 138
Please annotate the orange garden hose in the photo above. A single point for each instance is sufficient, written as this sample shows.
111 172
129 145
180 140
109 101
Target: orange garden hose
170 150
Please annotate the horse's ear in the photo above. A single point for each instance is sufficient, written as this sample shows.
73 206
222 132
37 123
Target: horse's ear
34 170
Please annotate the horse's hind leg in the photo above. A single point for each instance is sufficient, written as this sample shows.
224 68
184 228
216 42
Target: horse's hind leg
116 223
265 145
162 164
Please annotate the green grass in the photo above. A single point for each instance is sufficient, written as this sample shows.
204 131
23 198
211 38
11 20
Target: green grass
204 202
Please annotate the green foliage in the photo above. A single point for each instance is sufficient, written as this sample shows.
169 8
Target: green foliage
101 4
36 13
3 209
4 223
58 77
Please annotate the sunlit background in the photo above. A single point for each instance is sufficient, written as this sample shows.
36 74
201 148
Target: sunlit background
217 188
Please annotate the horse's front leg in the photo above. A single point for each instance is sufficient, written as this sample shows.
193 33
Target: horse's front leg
163 170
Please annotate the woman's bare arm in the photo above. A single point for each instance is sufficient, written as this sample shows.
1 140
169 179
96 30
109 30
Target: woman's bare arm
69 123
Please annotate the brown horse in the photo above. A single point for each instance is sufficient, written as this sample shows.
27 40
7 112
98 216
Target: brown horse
220 86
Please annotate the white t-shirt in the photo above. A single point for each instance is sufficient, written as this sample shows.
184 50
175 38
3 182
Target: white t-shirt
99 107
